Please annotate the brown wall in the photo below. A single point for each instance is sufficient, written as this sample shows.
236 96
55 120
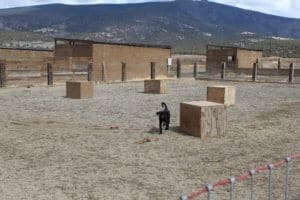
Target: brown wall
73 50
214 58
25 66
21 55
137 60
246 58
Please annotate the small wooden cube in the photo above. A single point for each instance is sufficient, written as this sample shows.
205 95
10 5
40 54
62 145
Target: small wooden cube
155 86
80 89
221 94
203 119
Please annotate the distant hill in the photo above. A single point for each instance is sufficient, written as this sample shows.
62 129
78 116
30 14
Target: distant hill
187 25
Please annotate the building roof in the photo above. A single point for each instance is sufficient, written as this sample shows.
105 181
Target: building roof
115 43
230 47
26 49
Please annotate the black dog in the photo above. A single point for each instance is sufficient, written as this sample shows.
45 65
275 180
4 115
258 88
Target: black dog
164 117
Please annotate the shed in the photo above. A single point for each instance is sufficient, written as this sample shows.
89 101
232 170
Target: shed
235 58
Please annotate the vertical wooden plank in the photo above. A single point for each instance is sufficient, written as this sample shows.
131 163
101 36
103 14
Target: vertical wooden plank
195 69
254 72
2 75
223 70
152 72
279 63
123 71
178 68
90 72
291 73
50 74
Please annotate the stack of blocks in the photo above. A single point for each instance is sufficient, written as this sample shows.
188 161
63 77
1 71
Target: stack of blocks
207 118
155 86
79 89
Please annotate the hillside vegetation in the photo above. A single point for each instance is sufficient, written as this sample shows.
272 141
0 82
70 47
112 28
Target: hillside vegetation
186 25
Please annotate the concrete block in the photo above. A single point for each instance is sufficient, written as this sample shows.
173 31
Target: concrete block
80 89
203 119
221 94
155 86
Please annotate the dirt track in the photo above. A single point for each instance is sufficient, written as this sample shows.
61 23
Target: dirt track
52 147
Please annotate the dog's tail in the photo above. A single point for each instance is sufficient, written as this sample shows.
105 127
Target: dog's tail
164 106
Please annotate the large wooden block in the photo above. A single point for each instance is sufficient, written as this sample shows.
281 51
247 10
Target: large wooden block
203 119
80 89
155 86
221 94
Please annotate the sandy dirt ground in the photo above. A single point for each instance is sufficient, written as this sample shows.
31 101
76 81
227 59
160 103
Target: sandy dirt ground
52 147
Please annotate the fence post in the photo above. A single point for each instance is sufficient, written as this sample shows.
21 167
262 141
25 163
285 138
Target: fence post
232 180
291 73
286 194
184 197
178 68
279 63
195 69
90 72
209 188
223 70
251 172
123 71
270 167
254 72
152 70
2 75
50 74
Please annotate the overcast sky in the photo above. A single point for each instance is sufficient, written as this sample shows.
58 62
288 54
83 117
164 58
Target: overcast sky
287 8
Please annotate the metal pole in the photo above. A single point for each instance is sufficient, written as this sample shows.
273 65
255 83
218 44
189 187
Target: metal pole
252 172
287 160
270 167
184 197
209 189
232 180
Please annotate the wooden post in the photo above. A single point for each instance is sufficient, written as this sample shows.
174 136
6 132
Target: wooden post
152 70
254 72
123 71
195 69
291 73
104 75
2 75
50 74
178 68
279 63
90 72
223 70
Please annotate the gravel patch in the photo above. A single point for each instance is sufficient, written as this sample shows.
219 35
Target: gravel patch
52 147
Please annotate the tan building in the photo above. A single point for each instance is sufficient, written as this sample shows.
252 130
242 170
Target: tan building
107 58
236 58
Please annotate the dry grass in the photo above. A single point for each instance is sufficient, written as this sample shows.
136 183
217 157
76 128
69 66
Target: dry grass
57 148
